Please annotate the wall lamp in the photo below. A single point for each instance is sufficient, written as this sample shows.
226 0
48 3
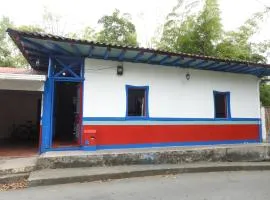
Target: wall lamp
188 76
120 70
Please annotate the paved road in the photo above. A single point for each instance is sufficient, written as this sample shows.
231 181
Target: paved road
200 186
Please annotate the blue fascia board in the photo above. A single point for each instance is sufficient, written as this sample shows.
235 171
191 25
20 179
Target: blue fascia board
217 67
154 55
61 49
165 119
229 67
106 53
187 63
138 56
175 62
200 64
90 51
122 55
205 67
164 59
75 47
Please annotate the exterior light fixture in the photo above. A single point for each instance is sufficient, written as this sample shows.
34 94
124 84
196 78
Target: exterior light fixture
37 63
120 70
188 76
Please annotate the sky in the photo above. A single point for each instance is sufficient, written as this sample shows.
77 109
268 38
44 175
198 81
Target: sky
147 15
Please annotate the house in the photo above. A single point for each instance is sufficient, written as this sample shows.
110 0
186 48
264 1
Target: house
100 96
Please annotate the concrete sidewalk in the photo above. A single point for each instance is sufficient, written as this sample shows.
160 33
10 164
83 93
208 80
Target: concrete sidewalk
73 175
16 169
172 155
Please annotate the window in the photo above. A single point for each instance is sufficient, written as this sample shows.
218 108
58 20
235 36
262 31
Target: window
137 101
221 101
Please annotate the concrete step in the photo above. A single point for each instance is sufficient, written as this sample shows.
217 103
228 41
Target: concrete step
17 165
71 175
165 155
12 178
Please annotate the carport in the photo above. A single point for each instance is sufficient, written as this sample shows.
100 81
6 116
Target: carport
20 110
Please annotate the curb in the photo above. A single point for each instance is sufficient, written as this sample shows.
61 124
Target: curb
12 178
242 153
132 172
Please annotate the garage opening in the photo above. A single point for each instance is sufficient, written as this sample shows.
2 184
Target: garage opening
67 114
19 122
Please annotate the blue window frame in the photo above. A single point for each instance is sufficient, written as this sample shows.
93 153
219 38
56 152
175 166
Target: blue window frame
137 102
222 105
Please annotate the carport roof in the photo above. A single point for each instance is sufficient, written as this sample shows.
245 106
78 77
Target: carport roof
38 47
11 73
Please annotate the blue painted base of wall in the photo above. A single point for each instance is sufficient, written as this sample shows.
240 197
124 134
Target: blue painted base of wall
131 146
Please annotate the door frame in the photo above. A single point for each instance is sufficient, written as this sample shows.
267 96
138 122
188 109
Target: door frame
67 64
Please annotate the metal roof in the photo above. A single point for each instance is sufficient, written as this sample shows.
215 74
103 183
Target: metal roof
14 70
38 47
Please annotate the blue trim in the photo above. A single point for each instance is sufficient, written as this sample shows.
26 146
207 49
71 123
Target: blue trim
61 49
90 51
260 131
166 119
137 57
217 67
106 53
49 98
200 64
228 105
149 145
205 67
186 64
151 57
74 148
163 60
176 61
228 67
122 55
146 88
171 144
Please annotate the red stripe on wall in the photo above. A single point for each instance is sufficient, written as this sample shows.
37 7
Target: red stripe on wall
140 134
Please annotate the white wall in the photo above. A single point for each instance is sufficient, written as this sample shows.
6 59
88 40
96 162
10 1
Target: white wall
170 94
263 118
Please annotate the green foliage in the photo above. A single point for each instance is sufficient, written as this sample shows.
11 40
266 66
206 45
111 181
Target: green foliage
117 29
237 44
265 94
202 33
30 28
5 43
10 56
195 33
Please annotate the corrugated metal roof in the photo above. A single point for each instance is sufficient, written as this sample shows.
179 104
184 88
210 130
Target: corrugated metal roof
14 70
38 47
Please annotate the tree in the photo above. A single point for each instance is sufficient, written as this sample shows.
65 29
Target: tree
197 33
237 44
10 56
265 94
87 33
202 33
52 23
5 44
117 29
30 28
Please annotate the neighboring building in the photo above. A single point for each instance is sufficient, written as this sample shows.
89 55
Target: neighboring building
100 96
